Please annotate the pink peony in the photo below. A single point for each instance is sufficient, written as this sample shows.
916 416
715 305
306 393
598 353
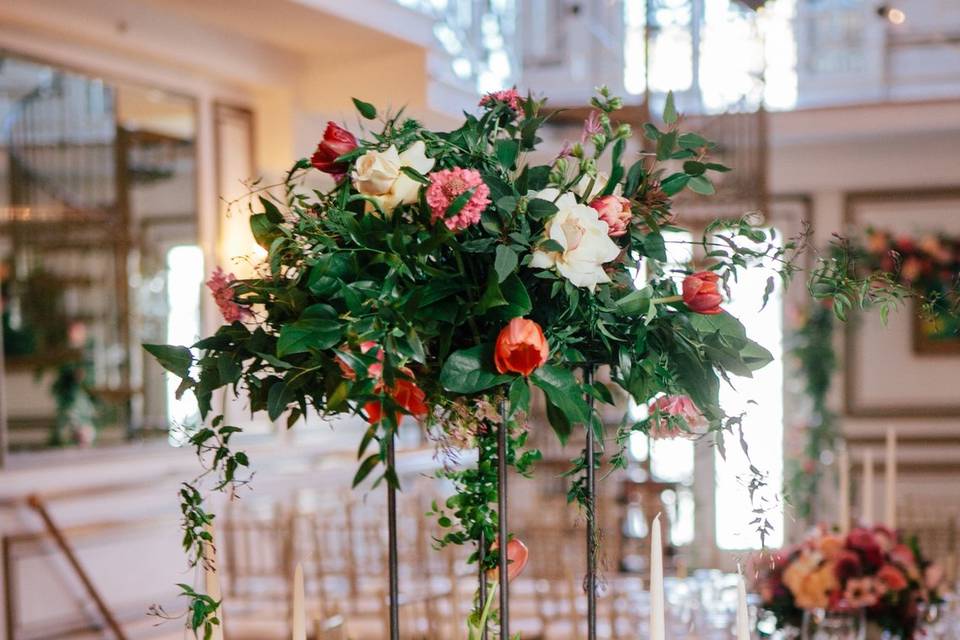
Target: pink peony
446 185
221 284
673 407
509 97
615 211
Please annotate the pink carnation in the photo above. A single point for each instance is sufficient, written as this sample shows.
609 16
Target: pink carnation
509 97
446 185
673 407
221 284
591 126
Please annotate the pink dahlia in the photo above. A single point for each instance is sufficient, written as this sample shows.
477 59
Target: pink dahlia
509 97
668 407
221 284
446 185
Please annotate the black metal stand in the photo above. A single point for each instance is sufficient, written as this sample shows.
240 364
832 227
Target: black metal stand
392 559
502 519
481 558
591 578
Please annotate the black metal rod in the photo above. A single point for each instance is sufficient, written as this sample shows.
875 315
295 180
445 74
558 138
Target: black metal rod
591 581
392 558
481 561
502 521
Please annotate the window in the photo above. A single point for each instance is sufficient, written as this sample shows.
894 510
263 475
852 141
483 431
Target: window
184 281
761 400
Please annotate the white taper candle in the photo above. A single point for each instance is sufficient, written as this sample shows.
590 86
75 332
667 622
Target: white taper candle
299 621
657 614
743 617
866 514
843 464
890 468
211 579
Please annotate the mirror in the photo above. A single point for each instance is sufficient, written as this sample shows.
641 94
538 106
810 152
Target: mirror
98 225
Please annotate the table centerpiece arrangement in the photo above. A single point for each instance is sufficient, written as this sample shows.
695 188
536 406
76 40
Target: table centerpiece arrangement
444 275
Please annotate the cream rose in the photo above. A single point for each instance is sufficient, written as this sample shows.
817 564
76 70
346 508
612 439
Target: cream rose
584 238
379 174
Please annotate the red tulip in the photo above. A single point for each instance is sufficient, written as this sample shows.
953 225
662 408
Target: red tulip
336 142
521 347
701 294
406 394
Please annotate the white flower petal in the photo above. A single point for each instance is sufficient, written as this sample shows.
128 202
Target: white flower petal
543 260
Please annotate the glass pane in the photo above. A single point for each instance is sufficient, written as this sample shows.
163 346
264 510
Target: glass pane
97 185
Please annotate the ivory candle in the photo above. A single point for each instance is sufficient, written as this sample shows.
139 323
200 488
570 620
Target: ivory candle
657 615
890 475
211 579
299 621
743 618
866 515
843 462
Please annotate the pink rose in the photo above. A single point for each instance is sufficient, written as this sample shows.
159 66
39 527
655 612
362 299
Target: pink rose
615 211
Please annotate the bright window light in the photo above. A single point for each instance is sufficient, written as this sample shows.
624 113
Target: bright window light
184 282
761 399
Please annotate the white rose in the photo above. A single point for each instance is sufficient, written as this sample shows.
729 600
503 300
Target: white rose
379 174
599 184
584 238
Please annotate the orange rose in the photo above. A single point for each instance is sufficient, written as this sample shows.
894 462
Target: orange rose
517 556
701 294
521 347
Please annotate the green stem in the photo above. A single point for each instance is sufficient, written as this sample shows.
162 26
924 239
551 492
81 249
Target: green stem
666 300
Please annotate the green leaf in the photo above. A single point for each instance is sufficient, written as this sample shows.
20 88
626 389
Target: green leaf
563 390
755 356
518 300
519 395
634 303
307 334
415 175
506 151
278 398
559 421
550 245
701 185
675 183
270 209
722 324
538 208
176 360
634 177
670 109
368 465
694 168
653 246
366 109
505 262
263 230
471 370
691 141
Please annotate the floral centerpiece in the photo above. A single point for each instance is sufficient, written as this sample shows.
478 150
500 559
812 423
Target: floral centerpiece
443 275
873 570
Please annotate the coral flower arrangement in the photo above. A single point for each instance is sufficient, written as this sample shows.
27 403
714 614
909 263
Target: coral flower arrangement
869 569
442 276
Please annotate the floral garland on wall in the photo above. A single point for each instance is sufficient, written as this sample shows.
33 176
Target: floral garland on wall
926 270
443 276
